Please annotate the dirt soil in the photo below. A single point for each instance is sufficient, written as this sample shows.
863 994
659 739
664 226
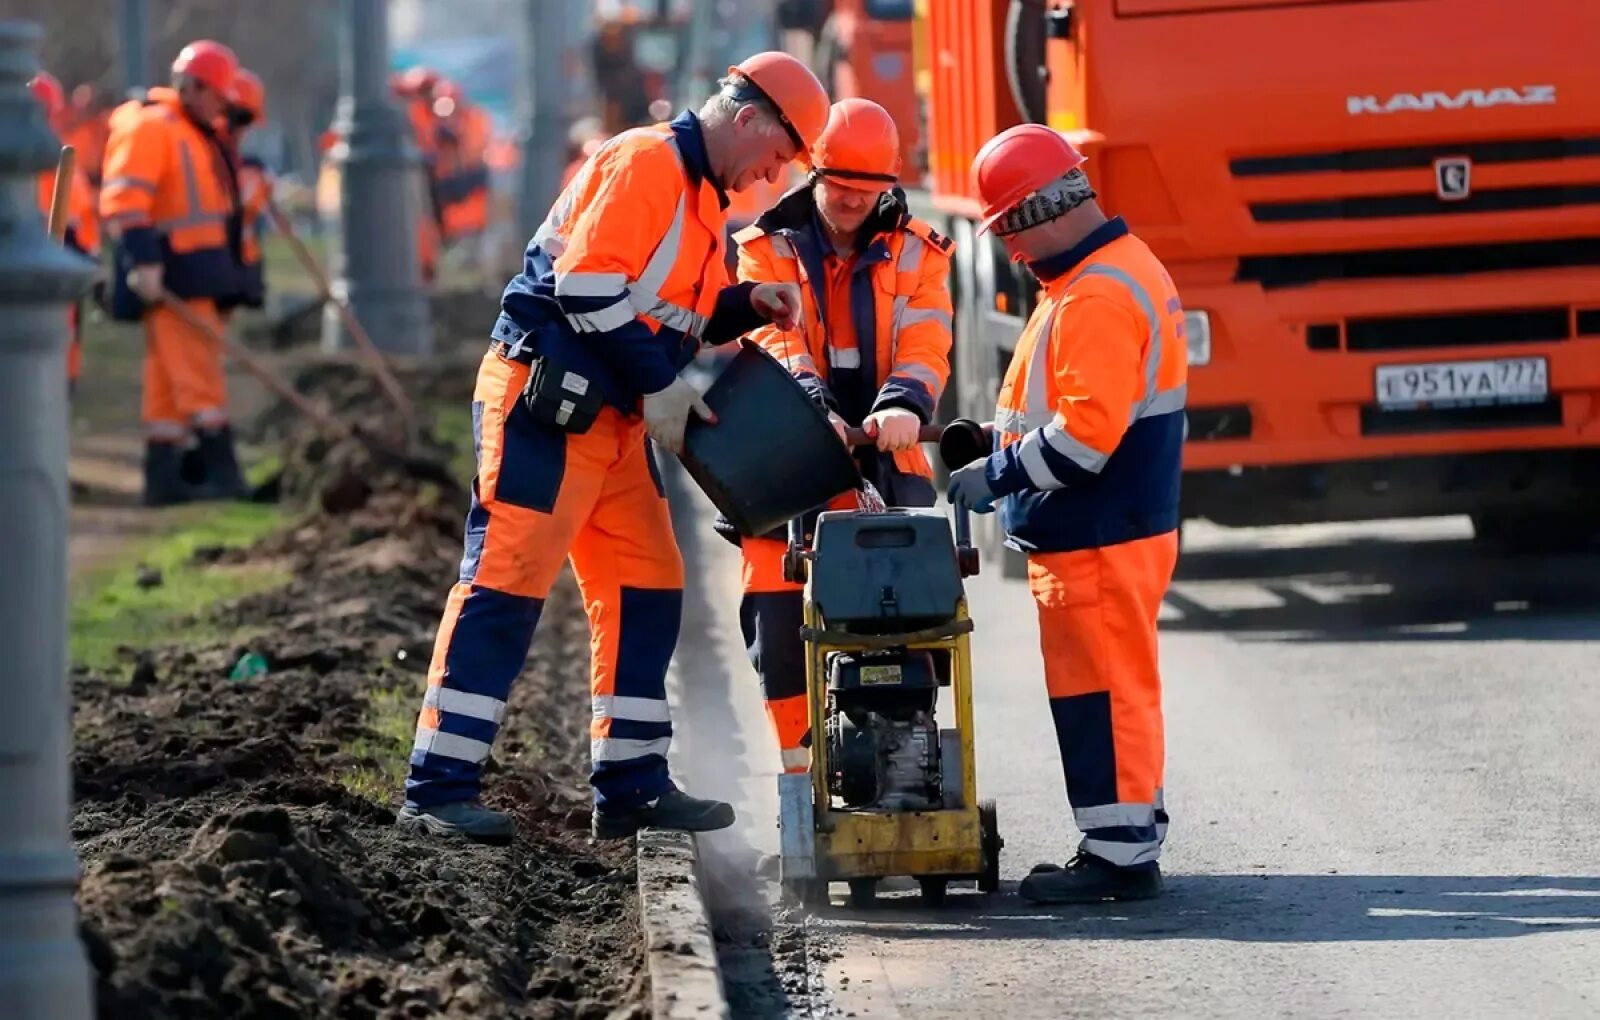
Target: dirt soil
237 864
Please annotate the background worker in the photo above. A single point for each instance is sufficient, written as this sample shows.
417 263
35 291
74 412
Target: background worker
874 351
255 183
83 222
620 286
170 197
1090 431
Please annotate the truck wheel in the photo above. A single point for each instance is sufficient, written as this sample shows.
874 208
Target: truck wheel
1535 534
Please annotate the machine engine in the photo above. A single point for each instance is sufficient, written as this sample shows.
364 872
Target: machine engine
883 740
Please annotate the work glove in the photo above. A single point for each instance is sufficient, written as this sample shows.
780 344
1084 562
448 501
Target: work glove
894 428
778 303
969 487
666 414
146 281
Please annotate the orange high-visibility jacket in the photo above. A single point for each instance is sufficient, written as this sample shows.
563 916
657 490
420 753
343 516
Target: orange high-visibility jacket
255 191
877 331
626 277
170 195
1090 417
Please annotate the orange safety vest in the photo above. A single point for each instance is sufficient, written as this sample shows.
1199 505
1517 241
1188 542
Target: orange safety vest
255 192
170 194
888 306
1090 416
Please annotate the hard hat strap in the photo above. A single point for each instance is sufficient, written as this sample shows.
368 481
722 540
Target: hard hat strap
857 175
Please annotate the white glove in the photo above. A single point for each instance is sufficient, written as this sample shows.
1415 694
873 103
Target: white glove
894 428
666 414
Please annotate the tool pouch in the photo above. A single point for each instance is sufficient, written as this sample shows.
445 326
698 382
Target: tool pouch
560 398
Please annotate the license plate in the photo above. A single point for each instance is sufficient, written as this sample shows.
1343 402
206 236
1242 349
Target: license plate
1464 383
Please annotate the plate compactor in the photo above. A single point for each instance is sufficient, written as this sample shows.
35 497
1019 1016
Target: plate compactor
892 788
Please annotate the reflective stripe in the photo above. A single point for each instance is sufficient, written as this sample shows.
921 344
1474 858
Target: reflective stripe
612 316
611 706
1035 411
1073 448
473 706
795 758
921 373
197 216
781 247
1167 402
130 215
798 363
1106 816
846 357
1031 452
914 316
590 284
1152 364
1121 854
684 320
125 181
911 255
166 430
210 417
623 749
450 745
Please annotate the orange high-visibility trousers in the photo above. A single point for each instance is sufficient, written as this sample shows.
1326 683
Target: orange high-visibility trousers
770 615
184 383
541 494
1097 630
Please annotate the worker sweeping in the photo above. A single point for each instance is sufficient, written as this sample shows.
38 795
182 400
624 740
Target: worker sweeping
82 232
248 110
170 198
1090 430
875 352
620 286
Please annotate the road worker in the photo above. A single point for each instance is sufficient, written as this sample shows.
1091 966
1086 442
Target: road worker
875 352
83 222
170 197
462 168
620 285
1089 433
249 109
415 89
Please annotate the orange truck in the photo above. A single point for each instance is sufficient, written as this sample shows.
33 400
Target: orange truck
1383 217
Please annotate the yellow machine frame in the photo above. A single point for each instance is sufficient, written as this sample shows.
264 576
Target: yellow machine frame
852 844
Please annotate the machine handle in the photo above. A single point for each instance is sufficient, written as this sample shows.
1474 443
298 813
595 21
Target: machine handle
858 437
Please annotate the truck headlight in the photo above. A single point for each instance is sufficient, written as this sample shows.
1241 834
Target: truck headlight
1197 333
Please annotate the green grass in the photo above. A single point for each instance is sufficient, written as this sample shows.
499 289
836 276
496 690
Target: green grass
381 758
452 423
110 611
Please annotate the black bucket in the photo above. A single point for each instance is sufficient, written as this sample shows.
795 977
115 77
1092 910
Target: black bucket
772 454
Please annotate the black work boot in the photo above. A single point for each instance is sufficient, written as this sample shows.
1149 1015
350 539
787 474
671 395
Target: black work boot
223 478
163 475
672 810
1091 879
460 820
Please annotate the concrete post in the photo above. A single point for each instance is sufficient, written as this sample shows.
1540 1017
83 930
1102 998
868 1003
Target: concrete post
134 47
375 266
552 26
44 974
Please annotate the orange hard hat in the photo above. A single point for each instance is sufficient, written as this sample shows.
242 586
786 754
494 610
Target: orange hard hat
209 63
250 95
417 80
46 88
791 88
860 147
1016 163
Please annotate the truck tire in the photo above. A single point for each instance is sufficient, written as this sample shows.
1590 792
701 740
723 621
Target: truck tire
1024 54
1537 533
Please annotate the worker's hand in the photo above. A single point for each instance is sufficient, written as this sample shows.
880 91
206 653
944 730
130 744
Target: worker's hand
839 427
969 487
666 414
894 428
146 281
779 303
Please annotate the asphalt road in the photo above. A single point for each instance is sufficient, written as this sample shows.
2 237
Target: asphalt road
1382 753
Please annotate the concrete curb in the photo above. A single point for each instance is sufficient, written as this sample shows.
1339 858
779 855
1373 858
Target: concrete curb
685 980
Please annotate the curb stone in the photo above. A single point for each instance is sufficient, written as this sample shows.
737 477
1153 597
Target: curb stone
685 979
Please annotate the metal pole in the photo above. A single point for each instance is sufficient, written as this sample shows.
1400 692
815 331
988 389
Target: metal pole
44 973
380 198
134 27
551 29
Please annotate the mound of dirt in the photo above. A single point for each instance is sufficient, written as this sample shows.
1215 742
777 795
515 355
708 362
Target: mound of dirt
237 835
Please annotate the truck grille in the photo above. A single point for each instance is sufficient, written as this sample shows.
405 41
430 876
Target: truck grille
1377 421
1375 207
1470 329
1414 156
1272 271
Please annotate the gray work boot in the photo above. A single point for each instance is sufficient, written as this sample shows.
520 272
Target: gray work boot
1091 879
466 819
672 810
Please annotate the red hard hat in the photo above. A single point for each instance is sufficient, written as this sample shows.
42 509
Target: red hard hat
250 94
417 80
1016 163
209 63
48 91
860 147
800 99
